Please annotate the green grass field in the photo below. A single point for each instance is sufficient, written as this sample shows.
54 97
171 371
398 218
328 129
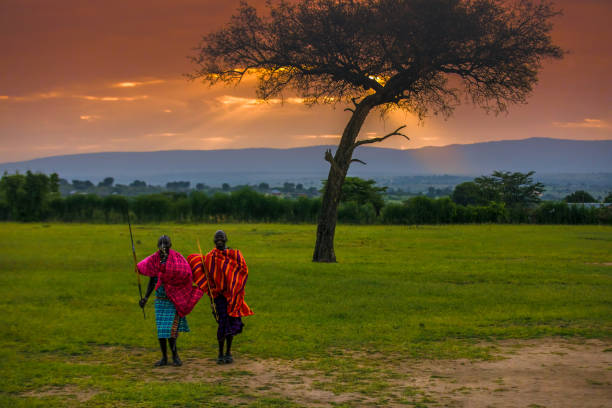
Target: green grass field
70 319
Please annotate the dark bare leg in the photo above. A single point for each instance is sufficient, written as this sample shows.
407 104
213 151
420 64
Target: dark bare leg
164 359
220 359
228 355
175 358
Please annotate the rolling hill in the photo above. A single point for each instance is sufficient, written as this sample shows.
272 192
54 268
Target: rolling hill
306 164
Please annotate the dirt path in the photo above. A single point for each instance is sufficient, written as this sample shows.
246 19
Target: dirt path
529 374
535 373
543 373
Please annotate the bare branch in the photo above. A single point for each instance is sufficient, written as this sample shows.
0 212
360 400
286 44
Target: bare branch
359 161
396 132
330 158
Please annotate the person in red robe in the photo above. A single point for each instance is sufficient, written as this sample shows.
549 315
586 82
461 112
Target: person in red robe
223 276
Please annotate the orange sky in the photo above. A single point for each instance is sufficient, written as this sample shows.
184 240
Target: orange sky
89 76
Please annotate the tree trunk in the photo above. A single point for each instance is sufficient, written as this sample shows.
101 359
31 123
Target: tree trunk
326 229
324 247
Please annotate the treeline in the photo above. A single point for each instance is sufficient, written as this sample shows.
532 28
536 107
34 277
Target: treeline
500 198
244 205
138 187
424 210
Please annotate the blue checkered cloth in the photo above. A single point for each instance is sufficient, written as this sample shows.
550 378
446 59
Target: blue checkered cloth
169 324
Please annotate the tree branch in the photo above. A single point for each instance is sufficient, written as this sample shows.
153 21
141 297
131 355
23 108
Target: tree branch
359 161
330 158
396 132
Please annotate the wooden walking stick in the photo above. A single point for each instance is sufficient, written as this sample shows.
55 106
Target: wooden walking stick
135 262
212 303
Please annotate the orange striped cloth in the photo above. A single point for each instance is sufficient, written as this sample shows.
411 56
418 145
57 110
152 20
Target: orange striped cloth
229 275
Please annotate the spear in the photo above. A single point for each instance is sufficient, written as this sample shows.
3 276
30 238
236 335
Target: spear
212 303
135 262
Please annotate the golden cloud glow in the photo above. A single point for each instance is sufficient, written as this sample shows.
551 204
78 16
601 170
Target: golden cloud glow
88 147
236 100
378 79
586 123
251 102
323 136
33 97
295 100
89 118
217 139
133 84
113 98
164 134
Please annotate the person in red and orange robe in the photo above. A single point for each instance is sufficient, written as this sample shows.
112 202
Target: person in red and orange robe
223 278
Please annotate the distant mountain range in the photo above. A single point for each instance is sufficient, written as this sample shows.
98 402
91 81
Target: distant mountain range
306 164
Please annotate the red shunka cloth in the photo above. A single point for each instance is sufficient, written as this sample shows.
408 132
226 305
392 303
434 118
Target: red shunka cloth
229 276
177 279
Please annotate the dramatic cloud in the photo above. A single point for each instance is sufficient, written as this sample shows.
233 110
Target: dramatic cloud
89 118
318 136
58 95
137 83
112 98
163 134
585 124
251 102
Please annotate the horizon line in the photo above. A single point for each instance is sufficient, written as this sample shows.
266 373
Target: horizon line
301 147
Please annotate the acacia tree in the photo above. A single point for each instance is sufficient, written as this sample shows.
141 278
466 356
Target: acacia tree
421 56
362 192
513 189
580 196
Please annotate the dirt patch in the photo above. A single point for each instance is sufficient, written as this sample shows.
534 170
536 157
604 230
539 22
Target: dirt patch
270 377
527 373
534 373
69 391
542 373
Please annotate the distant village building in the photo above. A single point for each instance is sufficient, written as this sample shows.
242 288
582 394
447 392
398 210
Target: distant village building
590 205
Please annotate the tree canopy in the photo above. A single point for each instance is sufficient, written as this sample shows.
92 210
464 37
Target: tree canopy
362 191
513 189
468 193
580 196
403 51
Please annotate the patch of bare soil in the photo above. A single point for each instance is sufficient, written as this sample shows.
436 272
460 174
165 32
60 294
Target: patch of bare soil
69 391
270 377
534 373
529 374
